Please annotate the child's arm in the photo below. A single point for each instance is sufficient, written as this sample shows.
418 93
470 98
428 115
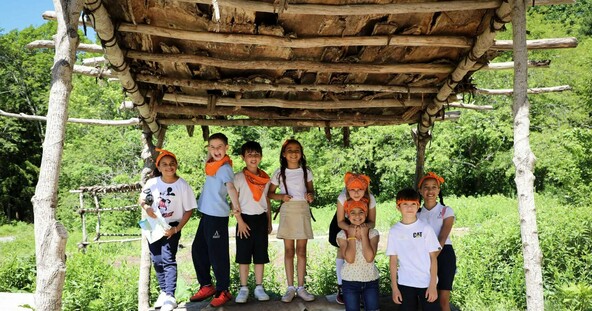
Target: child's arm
341 217
277 196
348 247
369 246
371 219
269 224
446 229
309 191
432 292
182 222
397 298
233 194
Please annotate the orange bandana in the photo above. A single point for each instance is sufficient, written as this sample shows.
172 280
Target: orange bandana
349 205
431 175
256 182
356 181
213 166
162 154
405 200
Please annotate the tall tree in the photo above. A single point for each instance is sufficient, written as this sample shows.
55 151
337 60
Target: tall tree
50 235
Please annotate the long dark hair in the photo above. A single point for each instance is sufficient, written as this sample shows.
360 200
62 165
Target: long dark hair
284 162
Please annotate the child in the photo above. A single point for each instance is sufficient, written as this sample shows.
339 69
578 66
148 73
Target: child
294 180
210 246
171 196
412 244
254 221
358 245
356 188
441 219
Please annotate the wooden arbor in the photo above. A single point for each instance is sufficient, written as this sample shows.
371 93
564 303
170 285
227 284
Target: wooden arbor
310 63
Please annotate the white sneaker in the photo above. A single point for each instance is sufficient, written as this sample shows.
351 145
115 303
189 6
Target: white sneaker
260 294
306 296
160 301
169 304
243 295
289 295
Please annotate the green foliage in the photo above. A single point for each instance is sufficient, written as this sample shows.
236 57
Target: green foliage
17 274
574 297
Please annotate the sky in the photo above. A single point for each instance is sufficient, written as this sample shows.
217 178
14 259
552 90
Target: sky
19 14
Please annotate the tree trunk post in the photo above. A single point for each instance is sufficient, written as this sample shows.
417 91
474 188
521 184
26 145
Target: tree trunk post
148 155
421 141
524 161
50 235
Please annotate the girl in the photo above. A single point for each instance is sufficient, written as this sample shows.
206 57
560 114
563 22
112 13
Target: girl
356 188
441 219
294 180
358 245
170 196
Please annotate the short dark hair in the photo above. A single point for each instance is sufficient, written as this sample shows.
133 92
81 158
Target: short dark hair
407 194
251 146
219 136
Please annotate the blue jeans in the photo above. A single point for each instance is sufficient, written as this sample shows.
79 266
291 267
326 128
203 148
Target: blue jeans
352 291
164 258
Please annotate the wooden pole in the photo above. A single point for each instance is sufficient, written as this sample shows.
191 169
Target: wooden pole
50 235
524 161
421 141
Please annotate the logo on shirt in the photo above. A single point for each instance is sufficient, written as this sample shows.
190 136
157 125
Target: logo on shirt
417 235
216 235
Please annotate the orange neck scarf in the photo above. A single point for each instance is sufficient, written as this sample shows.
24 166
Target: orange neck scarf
213 166
256 182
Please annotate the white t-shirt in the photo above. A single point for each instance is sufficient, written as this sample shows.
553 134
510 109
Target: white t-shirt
245 196
360 270
435 218
413 244
170 200
295 181
343 197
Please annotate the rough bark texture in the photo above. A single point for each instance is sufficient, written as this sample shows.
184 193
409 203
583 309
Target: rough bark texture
524 162
50 235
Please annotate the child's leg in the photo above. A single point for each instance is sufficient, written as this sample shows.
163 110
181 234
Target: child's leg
156 256
409 297
351 295
169 254
301 254
219 251
370 294
200 255
339 261
259 268
444 298
243 270
289 261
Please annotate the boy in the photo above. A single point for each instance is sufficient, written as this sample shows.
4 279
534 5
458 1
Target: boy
413 244
254 221
210 246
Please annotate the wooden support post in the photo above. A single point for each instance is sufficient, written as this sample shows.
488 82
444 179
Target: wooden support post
50 235
524 161
421 141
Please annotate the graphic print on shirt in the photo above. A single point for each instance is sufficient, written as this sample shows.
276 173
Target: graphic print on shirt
164 202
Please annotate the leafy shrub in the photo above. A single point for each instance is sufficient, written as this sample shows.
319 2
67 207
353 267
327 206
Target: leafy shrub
18 274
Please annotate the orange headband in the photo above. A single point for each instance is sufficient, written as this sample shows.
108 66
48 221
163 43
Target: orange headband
349 205
431 175
356 181
164 153
407 200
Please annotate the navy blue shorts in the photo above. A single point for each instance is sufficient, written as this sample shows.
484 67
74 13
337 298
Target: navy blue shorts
255 246
446 268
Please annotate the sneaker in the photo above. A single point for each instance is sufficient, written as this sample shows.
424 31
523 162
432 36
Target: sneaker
243 295
220 298
204 292
339 297
306 296
160 301
260 293
289 295
169 304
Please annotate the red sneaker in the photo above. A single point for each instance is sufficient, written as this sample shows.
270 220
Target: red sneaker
220 299
204 292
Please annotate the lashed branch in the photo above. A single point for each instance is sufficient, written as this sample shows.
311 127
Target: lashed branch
105 30
49 44
132 121
537 90
470 106
551 43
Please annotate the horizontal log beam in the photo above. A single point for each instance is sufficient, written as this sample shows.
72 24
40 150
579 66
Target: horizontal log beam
299 104
537 90
291 64
49 44
94 72
540 44
132 121
510 65
279 87
470 106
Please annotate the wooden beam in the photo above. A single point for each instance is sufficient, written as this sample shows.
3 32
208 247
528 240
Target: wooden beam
299 104
49 44
470 106
510 65
541 44
291 64
537 90
308 42
94 61
132 121
106 31
94 72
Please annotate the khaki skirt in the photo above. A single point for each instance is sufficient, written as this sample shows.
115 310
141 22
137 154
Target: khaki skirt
295 221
